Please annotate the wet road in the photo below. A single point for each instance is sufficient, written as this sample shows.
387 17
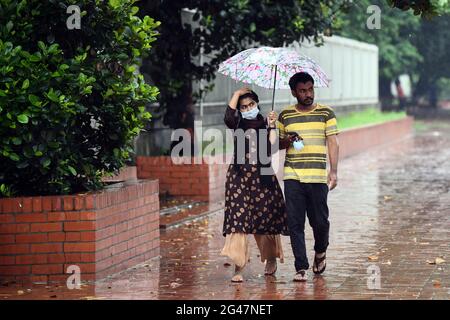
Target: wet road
390 232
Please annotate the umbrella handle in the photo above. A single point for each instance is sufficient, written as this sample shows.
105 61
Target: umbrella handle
274 85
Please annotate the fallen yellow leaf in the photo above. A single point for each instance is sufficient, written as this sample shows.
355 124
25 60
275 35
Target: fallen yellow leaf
92 298
174 285
438 260
436 283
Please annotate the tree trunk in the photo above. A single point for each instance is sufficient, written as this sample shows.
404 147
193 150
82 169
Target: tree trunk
385 94
427 87
180 113
173 76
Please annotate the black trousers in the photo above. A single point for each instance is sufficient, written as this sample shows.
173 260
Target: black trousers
310 199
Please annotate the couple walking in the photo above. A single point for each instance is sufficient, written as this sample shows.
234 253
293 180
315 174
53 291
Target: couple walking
254 202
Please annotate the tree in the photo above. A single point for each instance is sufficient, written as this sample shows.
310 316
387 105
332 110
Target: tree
397 51
221 29
433 43
407 43
425 8
71 101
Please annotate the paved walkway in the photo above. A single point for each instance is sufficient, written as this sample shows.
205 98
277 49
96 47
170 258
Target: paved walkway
389 215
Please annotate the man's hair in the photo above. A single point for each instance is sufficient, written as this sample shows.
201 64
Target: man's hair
300 77
252 95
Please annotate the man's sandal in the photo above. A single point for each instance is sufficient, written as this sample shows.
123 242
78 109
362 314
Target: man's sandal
301 276
320 262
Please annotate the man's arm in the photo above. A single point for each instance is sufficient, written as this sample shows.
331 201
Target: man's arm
333 154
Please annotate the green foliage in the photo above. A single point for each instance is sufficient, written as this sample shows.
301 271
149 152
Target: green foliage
424 8
433 43
397 52
407 44
444 88
71 101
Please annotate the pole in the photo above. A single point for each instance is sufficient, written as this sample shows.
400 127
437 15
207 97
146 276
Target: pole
274 85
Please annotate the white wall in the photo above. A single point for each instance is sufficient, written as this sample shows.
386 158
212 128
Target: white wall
352 66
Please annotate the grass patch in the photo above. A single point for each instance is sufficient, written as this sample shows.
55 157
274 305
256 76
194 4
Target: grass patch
421 126
366 117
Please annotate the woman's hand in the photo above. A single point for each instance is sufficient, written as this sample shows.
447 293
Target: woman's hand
235 98
242 91
272 119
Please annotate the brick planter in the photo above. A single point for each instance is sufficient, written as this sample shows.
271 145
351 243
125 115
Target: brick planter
125 174
103 233
203 182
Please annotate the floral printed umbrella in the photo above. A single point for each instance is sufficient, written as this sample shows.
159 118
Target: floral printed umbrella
271 68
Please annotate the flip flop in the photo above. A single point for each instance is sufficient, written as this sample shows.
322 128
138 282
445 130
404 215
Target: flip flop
317 262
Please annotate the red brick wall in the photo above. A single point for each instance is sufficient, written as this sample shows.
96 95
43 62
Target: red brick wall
203 182
354 141
217 177
125 174
102 233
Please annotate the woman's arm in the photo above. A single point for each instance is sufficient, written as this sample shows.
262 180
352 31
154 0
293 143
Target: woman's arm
230 113
271 120
230 118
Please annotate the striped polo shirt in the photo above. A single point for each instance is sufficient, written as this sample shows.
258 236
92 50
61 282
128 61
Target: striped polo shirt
308 165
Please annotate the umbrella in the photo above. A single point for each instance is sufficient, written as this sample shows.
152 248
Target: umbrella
271 68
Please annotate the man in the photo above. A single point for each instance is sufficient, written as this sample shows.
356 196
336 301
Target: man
400 95
306 182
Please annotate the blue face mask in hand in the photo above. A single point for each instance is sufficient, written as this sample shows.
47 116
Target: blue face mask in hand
298 145
250 115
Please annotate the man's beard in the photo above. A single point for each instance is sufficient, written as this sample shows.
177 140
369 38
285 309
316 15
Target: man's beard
307 102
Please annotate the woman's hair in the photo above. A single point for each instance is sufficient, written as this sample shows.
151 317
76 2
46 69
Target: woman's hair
252 95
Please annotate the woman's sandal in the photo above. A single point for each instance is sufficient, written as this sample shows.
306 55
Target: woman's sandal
318 262
237 275
270 263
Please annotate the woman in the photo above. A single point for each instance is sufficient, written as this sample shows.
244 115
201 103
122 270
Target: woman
254 201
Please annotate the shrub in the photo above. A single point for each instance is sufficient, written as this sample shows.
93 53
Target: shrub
71 101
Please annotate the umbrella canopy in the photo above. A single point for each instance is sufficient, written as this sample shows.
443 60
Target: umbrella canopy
271 68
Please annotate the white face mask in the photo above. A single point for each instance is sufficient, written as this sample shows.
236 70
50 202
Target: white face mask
298 145
252 114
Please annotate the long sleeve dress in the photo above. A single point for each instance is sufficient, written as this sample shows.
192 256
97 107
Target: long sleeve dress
251 206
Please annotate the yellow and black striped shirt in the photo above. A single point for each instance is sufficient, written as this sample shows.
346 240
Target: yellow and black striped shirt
308 165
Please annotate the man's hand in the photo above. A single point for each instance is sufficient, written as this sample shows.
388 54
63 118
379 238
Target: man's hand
332 180
289 139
